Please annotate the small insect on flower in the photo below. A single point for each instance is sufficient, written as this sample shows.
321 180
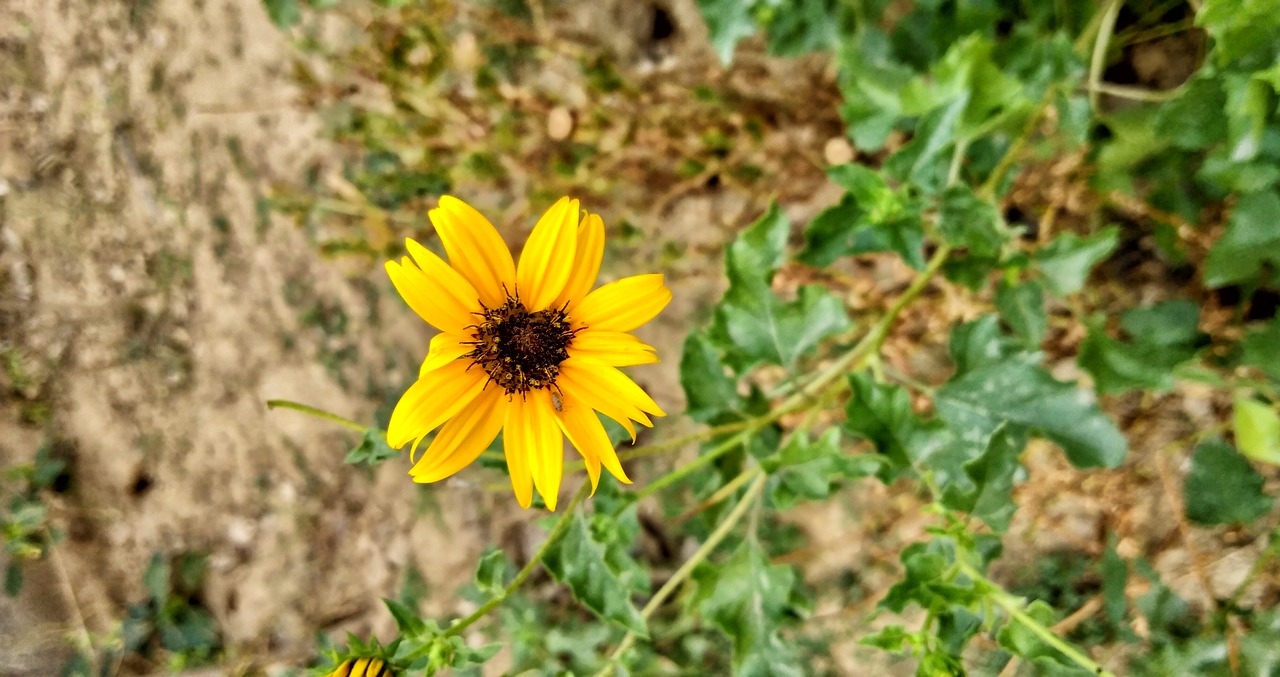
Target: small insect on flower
362 667
529 350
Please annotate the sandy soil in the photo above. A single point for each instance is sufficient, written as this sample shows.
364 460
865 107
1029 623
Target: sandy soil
153 304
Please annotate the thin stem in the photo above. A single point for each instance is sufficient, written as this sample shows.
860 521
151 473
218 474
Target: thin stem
1013 606
722 530
556 532
1099 59
988 189
1134 93
318 413
722 493
688 468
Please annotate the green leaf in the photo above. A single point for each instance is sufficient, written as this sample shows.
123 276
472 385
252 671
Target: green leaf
1257 427
870 218
746 597
1021 306
1017 639
1260 349
581 562
1066 262
993 475
156 578
284 13
1114 572
1222 488
491 573
408 622
728 21
1162 337
976 402
372 450
806 469
980 343
1196 118
759 325
925 581
13 578
1252 238
707 389
969 222
882 414
1173 323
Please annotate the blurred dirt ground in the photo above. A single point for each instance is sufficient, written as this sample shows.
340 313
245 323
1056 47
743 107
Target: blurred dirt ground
151 301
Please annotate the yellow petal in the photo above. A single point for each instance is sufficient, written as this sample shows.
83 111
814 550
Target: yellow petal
516 451
433 399
475 249
463 438
614 348
544 445
582 426
547 258
436 292
586 262
444 349
622 305
614 381
576 380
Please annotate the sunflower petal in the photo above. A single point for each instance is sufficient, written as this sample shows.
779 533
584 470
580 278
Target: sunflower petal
463 438
576 380
434 291
583 428
614 348
622 305
586 262
445 348
547 258
545 445
618 383
475 249
433 399
515 449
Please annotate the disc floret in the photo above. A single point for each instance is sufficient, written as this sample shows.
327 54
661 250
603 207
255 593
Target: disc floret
518 349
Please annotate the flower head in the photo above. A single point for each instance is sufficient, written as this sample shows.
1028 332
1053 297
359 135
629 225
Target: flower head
527 349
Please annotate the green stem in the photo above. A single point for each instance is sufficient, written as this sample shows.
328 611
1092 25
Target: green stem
1013 607
556 532
318 413
688 468
722 530
1099 59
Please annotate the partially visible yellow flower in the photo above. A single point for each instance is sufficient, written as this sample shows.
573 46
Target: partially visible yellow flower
362 667
528 349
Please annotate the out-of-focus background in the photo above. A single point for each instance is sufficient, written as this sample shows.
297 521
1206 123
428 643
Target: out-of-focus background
195 202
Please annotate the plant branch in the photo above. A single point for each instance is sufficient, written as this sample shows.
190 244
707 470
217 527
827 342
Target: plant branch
556 532
722 530
318 413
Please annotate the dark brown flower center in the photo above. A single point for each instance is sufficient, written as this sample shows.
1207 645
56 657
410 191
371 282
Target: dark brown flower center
520 350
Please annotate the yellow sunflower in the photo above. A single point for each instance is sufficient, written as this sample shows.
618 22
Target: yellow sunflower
527 349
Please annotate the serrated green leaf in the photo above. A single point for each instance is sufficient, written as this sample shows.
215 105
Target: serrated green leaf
882 414
806 469
407 619
1252 238
1195 119
980 343
1021 306
993 474
728 22
925 581
284 13
372 450
1260 349
1222 488
890 638
707 389
1066 262
759 325
745 597
581 562
1017 639
1257 427
975 403
491 573
969 222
